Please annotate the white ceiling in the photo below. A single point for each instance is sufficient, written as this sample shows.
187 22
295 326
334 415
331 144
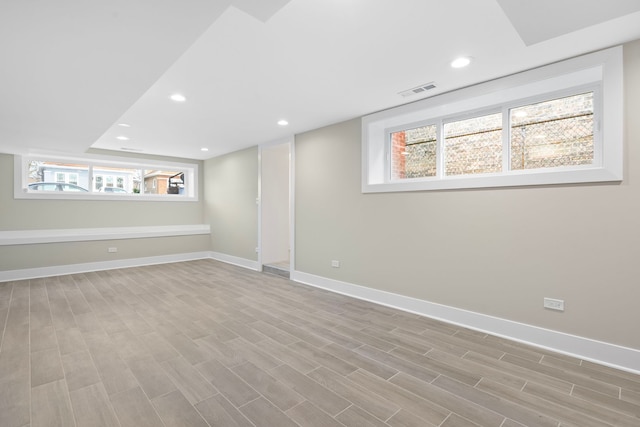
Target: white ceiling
71 70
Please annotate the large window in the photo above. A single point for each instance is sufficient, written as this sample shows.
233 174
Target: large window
104 178
554 125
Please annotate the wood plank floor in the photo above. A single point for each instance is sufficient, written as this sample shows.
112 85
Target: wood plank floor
208 344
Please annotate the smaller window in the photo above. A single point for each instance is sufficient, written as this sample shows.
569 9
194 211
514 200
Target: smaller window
414 152
473 146
553 133
119 180
56 172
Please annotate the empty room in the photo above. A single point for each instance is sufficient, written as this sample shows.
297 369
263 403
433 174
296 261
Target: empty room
319 213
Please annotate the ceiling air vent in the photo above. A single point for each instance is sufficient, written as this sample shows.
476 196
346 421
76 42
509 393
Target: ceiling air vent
418 90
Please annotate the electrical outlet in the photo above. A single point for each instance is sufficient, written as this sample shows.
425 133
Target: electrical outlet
335 263
554 304
112 250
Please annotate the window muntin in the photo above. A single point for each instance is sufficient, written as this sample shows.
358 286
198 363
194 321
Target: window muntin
554 133
50 177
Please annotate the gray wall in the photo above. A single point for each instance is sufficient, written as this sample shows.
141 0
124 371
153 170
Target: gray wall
492 251
24 214
231 190
57 254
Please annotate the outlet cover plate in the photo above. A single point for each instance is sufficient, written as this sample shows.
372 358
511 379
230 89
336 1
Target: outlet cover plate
554 304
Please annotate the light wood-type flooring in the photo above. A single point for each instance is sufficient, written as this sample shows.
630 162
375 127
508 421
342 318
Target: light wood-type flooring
203 343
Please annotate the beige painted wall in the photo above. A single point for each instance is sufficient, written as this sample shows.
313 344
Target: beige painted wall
492 251
64 214
55 254
231 190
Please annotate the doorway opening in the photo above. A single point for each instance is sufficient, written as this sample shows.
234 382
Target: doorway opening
275 209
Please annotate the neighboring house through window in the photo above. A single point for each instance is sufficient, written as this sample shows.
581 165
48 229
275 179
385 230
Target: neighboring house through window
104 178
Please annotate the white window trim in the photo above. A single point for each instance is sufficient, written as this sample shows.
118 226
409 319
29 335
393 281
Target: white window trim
21 169
601 70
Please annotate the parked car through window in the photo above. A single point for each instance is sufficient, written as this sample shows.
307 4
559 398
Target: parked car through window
55 186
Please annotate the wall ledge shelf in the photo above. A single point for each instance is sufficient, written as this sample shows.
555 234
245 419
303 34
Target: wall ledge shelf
34 237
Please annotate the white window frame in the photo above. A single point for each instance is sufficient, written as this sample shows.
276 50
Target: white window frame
21 170
600 72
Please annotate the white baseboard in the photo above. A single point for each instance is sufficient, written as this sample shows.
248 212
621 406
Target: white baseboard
627 359
240 262
58 270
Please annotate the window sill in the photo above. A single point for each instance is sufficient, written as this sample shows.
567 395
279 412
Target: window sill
64 195
513 179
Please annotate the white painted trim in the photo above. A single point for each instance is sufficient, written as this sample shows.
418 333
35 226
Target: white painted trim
30 237
292 205
286 140
259 207
627 359
240 262
58 270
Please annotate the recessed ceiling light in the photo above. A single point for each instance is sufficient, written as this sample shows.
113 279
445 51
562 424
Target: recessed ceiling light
178 97
122 138
204 149
124 125
461 62
283 122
